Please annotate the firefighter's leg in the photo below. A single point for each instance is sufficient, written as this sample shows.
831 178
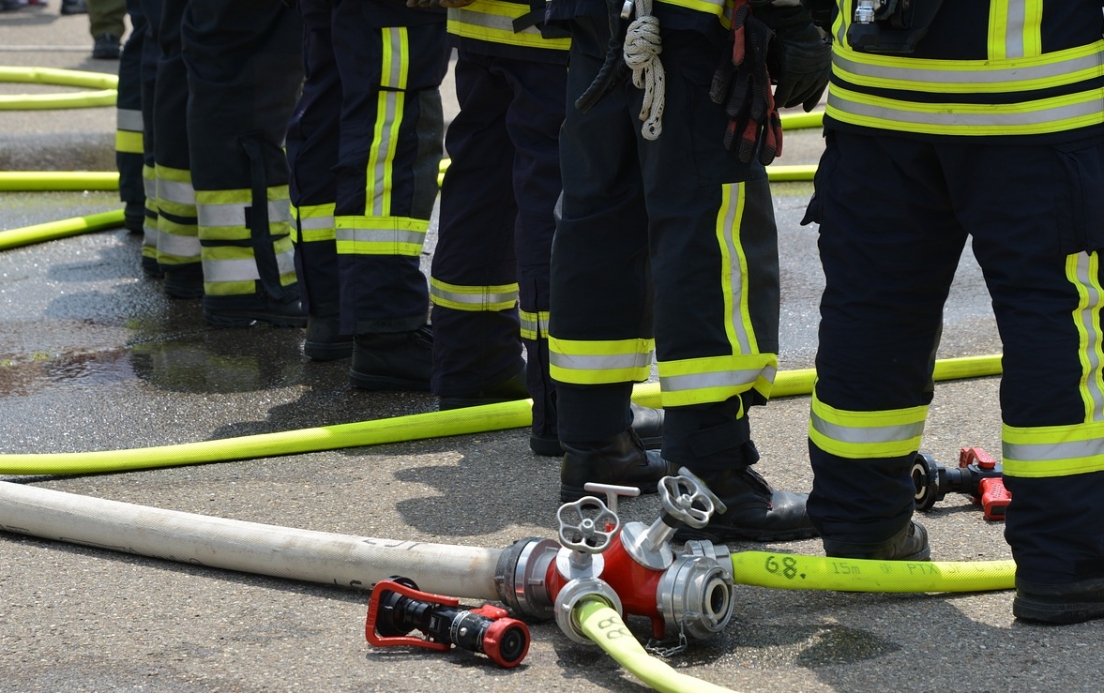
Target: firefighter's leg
151 11
128 122
473 281
178 251
600 328
888 260
312 146
391 131
237 119
1037 238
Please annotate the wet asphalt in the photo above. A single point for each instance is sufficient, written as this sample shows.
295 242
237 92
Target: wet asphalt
93 356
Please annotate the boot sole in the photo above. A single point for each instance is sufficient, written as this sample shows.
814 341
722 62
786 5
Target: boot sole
327 351
1056 614
229 320
379 383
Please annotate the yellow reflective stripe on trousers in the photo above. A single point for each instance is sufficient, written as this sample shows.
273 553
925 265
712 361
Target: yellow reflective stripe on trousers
177 241
715 378
231 263
149 185
128 142
473 298
175 194
1053 451
718 378
493 21
734 269
316 223
149 223
595 362
380 235
1083 271
222 213
860 435
174 244
534 325
128 131
389 111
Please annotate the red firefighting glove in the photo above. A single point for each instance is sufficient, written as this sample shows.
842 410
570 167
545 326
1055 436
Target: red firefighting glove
742 84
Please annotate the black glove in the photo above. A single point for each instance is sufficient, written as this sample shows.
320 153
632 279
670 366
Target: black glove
800 59
742 83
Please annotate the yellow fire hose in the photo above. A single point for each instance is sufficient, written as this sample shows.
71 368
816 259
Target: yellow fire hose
796 572
60 229
490 417
105 85
605 627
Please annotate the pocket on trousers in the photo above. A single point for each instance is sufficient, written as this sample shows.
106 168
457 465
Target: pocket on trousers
814 210
1081 205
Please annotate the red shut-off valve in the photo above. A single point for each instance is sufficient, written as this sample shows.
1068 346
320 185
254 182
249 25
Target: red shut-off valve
397 607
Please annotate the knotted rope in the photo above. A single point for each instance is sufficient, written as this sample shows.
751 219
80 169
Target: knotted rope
642 49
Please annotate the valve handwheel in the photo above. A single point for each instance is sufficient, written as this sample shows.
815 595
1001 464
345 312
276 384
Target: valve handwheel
587 525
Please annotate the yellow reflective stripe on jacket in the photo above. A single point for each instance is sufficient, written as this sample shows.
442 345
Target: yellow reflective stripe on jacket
473 298
1083 271
1014 64
595 362
1053 451
862 435
715 378
1025 118
316 223
380 235
534 325
493 21
222 213
721 8
969 76
1011 24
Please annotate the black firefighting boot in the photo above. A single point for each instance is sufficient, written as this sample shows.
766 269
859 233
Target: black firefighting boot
324 340
509 390
1072 602
620 460
393 360
909 544
754 510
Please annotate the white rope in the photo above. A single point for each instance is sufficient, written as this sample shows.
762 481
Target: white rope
642 49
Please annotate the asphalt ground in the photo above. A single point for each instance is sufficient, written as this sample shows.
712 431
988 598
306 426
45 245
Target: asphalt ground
93 356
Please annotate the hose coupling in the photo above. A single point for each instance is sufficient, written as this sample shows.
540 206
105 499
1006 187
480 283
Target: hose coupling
574 592
694 597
